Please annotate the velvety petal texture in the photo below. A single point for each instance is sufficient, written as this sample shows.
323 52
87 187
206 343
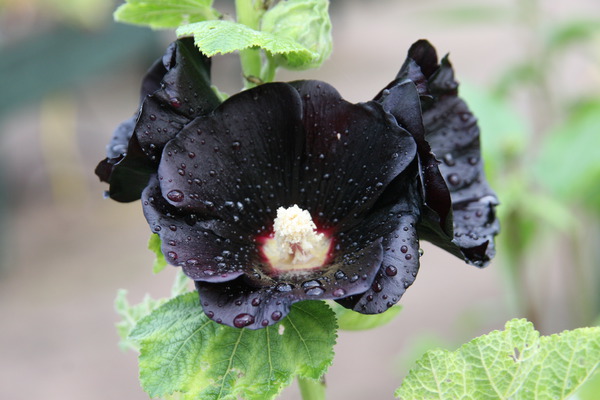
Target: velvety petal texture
374 178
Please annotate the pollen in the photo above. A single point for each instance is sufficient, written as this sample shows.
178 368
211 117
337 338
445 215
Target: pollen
296 244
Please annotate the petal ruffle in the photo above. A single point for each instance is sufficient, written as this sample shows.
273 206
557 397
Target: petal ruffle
466 226
176 89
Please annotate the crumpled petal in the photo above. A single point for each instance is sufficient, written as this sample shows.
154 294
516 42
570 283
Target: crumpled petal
466 226
175 90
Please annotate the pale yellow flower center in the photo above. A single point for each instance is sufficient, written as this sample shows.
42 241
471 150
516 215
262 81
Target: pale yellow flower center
296 244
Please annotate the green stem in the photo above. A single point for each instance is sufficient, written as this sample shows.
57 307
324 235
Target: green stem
311 389
249 13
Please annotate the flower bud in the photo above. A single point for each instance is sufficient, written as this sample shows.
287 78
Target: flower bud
305 21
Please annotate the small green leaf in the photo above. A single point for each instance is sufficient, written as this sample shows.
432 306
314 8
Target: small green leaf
304 21
159 14
349 320
130 315
514 364
222 37
182 351
159 262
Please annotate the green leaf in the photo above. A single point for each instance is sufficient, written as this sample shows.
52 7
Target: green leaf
183 351
514 364
159 262
159 14
349 320
304 21
130 315
222 37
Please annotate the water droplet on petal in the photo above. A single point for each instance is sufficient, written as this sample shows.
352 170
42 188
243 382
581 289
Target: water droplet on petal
175 102
175 196
152 117
243 320
276 316
453 179
314 291
390 270
404 249
172 255
256 302
339 292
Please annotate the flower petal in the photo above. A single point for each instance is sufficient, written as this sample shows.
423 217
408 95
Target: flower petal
278 145
396 272
466 226
175 90
195 244
258 301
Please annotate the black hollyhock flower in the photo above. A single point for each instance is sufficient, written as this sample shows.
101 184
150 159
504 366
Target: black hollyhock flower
175 90
286 192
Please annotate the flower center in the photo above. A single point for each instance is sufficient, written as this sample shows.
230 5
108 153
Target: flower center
296 244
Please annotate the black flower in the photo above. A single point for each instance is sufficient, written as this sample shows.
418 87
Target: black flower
287 192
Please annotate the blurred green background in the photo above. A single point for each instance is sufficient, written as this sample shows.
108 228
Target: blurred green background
530 70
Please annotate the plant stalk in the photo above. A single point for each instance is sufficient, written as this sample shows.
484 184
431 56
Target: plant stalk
311 389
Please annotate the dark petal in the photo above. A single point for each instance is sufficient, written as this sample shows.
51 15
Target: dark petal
185 93
356 146
237 163
276 146
396 272
129 176
425 56
402 101
453 134
176 89
258 301
194 244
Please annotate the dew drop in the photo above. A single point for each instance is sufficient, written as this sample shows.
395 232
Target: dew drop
404 249
152 117
339 274
276 316
473 160
453 179
264 322
255 302
243 320
408 256
449 160
283 287
175 196
314 291
376 286
175 102
339 292
172 255
210 314
236 145
192 262
390 270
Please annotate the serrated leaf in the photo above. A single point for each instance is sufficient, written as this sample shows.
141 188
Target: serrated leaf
349 320
184 351
159 262
159 14
222 37
130 315
514 364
